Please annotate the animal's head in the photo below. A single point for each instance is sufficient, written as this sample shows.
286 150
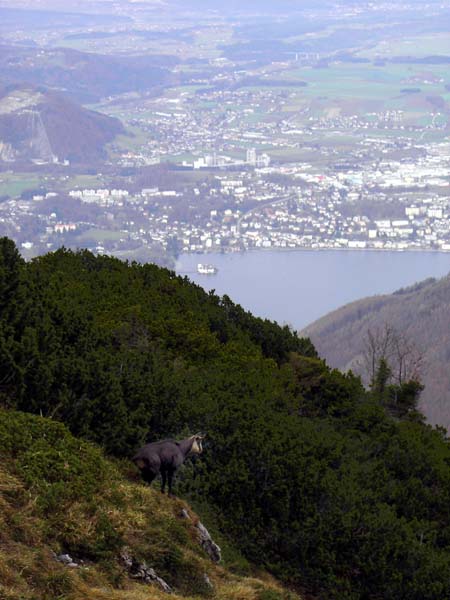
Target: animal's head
197 447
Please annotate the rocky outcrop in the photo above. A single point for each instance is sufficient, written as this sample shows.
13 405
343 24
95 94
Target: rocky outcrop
67 560
142 572
207 543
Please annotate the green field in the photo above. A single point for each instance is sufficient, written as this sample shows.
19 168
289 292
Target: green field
133 141
83 181
345 89
100 235
348 80
14 184
419 46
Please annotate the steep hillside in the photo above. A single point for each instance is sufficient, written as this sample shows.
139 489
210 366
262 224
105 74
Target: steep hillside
39 125
305 471
73 527
421 312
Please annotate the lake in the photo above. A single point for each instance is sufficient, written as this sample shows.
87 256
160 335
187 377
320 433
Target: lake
298 287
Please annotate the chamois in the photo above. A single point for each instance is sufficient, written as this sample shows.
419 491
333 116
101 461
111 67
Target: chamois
166 457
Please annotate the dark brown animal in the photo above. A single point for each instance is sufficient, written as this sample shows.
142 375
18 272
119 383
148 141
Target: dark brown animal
165 457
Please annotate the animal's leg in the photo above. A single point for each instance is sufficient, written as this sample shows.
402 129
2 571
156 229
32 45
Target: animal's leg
171 473
148 475
163 481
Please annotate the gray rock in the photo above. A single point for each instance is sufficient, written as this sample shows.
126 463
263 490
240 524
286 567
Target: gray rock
207 543
67 560
64 558
141 571
208 581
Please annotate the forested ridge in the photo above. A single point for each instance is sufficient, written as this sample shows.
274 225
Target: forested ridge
420 312
308 473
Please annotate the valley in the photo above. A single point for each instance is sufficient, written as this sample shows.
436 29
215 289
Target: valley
331 134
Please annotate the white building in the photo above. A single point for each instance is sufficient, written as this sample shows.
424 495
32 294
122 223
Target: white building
251 156
435 212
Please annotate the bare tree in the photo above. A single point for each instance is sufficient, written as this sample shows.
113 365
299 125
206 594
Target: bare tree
377 347
407 360
401 355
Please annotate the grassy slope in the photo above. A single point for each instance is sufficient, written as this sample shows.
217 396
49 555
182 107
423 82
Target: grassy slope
59 494
422 312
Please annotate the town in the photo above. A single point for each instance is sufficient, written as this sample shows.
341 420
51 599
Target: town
394 206
318 142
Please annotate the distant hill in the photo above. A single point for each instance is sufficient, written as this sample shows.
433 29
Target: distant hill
57 17
86 77
422 312
37 124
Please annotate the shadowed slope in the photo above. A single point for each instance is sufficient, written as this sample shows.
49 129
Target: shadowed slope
36 124
421 311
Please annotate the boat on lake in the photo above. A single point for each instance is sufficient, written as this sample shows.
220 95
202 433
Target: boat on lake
205 269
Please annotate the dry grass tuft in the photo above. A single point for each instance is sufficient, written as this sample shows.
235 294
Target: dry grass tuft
39 520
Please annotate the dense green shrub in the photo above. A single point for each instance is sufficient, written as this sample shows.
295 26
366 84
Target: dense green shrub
307 472
56 466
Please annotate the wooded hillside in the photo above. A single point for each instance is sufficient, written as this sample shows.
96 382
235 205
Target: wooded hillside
421 313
